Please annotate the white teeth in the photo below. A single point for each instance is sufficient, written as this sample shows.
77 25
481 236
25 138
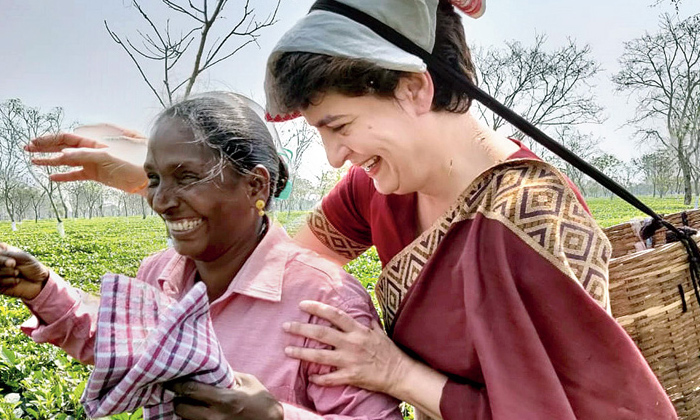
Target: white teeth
183 225
368 165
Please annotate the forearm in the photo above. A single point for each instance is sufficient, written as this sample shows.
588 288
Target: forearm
65 317
420 386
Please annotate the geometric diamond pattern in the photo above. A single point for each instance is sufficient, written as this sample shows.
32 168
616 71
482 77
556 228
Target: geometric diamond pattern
534 201
331 238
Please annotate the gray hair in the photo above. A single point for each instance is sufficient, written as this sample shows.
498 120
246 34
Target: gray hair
226 123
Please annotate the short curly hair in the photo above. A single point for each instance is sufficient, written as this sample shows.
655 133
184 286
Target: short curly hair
302 77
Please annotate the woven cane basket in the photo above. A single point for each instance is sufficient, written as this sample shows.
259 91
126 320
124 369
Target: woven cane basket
646 300
625 237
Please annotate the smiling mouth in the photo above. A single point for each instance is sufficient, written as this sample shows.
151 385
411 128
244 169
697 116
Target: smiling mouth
180 226
370 163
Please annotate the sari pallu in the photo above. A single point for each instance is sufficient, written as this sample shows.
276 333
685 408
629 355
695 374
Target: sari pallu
507 295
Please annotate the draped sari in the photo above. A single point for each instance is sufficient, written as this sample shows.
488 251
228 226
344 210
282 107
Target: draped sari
506 294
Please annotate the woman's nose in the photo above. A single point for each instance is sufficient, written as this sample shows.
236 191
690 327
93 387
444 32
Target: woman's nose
163 199
336 152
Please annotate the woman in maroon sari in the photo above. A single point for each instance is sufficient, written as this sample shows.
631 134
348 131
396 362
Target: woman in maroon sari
494 287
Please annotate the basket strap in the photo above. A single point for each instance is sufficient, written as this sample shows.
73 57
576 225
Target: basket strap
449 74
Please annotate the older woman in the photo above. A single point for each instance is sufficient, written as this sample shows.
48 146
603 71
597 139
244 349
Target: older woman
494 286
212 169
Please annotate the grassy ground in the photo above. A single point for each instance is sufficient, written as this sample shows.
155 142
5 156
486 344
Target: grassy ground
41 382
609 212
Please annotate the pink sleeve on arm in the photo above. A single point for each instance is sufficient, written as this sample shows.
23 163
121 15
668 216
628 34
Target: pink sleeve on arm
345 402
65 317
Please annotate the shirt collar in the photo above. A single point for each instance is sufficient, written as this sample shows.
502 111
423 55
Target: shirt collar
261 276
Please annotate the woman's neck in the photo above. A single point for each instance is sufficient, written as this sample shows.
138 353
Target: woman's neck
464 148
219 273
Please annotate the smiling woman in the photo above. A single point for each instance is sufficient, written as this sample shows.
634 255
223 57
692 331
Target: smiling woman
212 169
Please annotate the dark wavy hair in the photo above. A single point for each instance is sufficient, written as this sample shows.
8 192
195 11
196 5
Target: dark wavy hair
303 77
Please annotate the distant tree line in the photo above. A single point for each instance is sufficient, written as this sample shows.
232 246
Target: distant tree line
552 87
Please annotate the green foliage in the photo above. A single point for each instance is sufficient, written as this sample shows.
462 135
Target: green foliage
42 382
609 212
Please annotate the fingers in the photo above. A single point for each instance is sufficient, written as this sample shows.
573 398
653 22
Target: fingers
16 255
79 175
335 316
9 282
71 157
189 410
195 391
335 378
57 142
7 262
320 356
320 333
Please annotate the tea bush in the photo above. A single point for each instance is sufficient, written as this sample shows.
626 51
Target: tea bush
42 382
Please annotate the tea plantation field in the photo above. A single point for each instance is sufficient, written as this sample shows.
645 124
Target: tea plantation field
41 382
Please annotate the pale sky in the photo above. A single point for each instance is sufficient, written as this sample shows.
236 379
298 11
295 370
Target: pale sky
58 53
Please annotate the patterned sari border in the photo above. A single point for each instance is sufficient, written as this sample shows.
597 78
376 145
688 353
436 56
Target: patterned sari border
534 201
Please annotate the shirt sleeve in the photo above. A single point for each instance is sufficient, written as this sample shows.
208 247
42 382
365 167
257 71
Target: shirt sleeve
65 317
341 221
546 347
345 402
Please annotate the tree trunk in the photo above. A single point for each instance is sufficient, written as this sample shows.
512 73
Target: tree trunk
686 174
144 211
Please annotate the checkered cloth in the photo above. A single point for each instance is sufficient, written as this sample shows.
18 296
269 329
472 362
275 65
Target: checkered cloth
145 338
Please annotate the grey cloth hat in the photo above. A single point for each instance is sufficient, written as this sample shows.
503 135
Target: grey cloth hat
328 33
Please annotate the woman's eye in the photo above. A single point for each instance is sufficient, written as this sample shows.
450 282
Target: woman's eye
339 128
153 181
187 178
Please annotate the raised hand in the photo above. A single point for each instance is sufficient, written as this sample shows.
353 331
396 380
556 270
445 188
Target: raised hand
21 275
111 164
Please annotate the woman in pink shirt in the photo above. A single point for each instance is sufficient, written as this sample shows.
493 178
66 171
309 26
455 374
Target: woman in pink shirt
212 169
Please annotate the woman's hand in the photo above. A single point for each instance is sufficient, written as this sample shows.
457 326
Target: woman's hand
21 275
112 165
248 400
363 357
366 358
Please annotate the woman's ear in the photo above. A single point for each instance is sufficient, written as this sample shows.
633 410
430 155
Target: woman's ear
259 183
416 90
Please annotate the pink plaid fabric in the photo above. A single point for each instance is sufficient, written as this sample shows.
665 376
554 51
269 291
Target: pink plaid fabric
145 338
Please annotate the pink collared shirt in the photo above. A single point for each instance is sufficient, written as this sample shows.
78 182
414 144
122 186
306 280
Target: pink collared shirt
248 321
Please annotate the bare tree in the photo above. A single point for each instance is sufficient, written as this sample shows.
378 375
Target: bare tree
159 44
25 123
93 193
658 168
297 136
11 162
611 166
583 145
674 3
37 197
548 88
663 70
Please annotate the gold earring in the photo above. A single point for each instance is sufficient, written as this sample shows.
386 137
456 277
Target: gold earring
260 205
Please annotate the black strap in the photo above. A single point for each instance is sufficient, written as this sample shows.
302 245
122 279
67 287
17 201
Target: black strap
447 72
450 74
